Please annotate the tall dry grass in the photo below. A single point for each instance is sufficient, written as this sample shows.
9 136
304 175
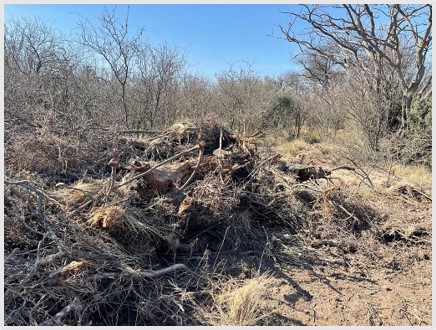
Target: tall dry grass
244 305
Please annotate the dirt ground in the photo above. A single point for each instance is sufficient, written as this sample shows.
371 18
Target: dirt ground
381 283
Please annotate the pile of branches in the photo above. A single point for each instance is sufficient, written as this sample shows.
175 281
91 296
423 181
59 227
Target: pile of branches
138 245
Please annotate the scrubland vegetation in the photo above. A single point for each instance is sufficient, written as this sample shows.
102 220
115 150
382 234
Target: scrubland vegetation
284 192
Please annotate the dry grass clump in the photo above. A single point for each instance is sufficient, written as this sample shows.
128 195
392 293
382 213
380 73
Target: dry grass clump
281 139
292 147
310 135
327 149
418 176
275 138
368 194
108 216
80 191
243 304
130 220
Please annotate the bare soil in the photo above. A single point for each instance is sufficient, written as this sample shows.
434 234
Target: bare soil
382 283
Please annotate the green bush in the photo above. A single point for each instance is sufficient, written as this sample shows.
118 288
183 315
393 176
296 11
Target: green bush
418 140
420 117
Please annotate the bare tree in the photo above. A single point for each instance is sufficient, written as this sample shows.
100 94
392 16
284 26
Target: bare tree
196 97
368 108
243 96
39 66
115 45
319 70
159 72
379 35
31 45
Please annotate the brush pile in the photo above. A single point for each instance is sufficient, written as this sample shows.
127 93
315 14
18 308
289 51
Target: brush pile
139 244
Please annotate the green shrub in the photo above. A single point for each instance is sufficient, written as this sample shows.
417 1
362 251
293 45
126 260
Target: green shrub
419 120
418 140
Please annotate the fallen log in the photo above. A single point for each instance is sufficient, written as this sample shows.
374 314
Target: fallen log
311 172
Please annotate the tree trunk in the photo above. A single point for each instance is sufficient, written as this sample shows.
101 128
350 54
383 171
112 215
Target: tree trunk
126 112
405 108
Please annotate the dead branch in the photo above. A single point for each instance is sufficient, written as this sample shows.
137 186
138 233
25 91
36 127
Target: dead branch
148 274
74 265
138 132
200 155
356 219
49 259
56 320
167 270
111 182
342 167
410 190
13 253
28 185
421 193
364 175
41 218
81 207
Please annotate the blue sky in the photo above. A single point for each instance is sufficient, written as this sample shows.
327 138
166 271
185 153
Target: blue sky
212 36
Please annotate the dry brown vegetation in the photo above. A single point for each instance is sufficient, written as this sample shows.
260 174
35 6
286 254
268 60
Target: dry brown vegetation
301 199
182 230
